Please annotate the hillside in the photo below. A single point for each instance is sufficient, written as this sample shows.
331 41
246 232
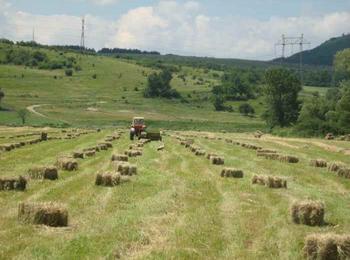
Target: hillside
322 55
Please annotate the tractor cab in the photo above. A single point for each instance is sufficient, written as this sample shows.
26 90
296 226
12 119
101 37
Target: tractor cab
137 127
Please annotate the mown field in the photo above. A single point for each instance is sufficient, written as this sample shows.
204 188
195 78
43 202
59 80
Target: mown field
177 206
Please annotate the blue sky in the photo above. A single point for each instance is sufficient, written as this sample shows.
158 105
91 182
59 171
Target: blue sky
236 28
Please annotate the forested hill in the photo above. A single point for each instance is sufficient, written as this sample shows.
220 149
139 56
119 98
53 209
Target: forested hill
322 55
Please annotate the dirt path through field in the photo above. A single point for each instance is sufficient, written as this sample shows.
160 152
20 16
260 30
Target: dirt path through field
32 110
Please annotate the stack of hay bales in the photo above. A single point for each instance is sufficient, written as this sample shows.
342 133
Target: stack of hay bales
200 152
120 157
288 159
335 166
319 163
125 168
49 214
329 136
78 155
309 213
232 173
327 246
19 183
133 153
344 172
67 164
272 182
42 172
108 179
89 152
217 160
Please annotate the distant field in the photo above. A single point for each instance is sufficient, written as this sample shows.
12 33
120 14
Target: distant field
177 206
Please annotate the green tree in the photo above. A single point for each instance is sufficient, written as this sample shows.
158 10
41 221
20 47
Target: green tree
218 102
342 66
343 108
69 72
281 94
158 85
246 109
2 95
23 114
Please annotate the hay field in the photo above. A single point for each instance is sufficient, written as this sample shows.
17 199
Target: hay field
178 205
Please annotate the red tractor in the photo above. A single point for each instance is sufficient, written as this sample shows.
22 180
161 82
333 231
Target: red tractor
138 129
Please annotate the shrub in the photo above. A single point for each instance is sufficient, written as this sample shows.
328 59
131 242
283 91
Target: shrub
246 109
69 72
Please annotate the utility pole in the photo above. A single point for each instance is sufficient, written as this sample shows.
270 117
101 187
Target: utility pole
291 41
82 39
33 35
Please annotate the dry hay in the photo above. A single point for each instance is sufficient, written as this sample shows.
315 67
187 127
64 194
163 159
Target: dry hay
78 155
319 163
344 172
200 152
269 156
217 160
251 146
133 153
231 173
258 134
229 141
67 164
329 136
189 142
7 147
120 157
265 152
49 214
103 146
125 168
327 246
194 148
288 159
90 153
272 182
42 172
108 144
161 147
335 166
309 213
19 183
209 155
108 179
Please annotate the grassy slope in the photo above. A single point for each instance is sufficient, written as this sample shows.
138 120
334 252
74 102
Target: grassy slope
177 206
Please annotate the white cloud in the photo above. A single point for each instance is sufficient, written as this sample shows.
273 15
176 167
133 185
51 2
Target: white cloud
102 2
172 27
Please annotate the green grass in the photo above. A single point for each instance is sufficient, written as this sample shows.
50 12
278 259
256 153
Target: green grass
177 206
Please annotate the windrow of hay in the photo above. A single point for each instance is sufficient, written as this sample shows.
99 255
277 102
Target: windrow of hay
327 246
120 157
272 182
43 172
309 213
232 173
217 160
125 168
108 179
67 164
320 163
19 183
250 146
161 147
265 152
258 134
102 146
209 155
329 136
90 153
49 214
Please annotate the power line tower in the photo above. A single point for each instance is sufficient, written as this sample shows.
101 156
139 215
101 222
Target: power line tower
33 35
82 39
292 41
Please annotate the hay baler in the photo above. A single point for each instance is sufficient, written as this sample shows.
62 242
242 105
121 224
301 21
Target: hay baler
139 129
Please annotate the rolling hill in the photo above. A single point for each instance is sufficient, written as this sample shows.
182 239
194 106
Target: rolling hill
322 55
